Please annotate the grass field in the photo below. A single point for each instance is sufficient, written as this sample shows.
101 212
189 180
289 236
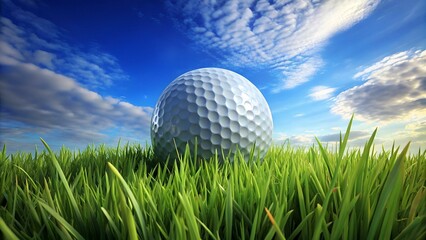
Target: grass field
319 192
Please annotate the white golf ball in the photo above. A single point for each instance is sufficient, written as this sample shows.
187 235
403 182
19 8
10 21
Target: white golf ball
217 109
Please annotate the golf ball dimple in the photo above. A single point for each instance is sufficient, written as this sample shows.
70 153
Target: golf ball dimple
216 109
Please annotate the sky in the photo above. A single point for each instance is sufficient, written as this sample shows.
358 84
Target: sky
90 72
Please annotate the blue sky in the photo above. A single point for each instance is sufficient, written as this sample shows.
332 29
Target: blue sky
90 72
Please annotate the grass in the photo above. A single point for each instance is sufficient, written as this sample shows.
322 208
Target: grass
121 193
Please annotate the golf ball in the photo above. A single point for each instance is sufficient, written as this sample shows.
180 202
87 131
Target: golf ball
214 110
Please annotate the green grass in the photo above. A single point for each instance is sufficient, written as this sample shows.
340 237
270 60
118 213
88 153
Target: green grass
309 193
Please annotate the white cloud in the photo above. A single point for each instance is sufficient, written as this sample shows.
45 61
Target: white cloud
353 135
37 24
48 89
300 72
47 102
393 94
419 126
9 54
286 35
28 38
319 93
44 58
394 90
296 140
356 137
302 139
414 132
384 65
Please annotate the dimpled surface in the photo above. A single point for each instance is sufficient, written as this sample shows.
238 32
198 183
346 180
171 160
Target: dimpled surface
218 109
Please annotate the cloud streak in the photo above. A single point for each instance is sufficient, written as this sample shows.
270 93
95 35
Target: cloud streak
319 93
49 88
26 37
354 135
394 90
45 101
356 138
284 36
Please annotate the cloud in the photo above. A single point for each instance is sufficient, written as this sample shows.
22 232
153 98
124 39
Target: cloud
416 133
28 38
319 93
298 72
413 132
354 135
284 36
419 127
296 140
47 102
357 139
48 88
29 3
44 58
394 90
36 24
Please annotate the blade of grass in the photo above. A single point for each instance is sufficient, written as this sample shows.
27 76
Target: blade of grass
389 193
63 180
61 220
274 224
206 229
191 221
321 218
301 225
111 222
130 224
343 143
228 211
415 230
416 202
132 198
348 202
7 232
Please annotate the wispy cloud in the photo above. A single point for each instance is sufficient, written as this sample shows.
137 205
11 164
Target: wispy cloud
414 132
30 3
295 140
44 58
417 131
319 93
50 103
354 135
298 71
394 90
26 37
283 36
48 88
356 138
